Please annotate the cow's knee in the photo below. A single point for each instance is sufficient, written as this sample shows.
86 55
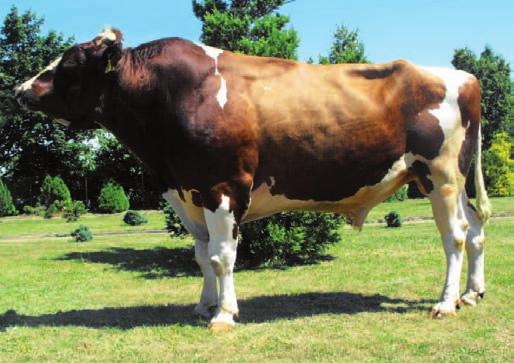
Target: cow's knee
223 261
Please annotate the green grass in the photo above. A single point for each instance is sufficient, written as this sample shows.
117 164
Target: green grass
38 226
420 209
129 298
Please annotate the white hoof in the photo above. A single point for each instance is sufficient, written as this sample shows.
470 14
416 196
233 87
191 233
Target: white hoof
471 297
222 321
204 311
444 309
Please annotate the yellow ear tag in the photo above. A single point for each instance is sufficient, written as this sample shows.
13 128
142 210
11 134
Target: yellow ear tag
110 67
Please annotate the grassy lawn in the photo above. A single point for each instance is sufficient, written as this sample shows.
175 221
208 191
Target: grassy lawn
130 297
36 226
421 209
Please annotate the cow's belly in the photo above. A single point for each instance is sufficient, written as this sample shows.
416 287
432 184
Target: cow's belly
264 203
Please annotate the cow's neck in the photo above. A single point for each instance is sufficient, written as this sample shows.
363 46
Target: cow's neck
141 135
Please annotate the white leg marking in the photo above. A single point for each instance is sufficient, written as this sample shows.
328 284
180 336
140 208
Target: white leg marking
475 287
209 297
452 225
222 256
214 53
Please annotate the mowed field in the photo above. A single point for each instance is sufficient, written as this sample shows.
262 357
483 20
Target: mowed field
129 296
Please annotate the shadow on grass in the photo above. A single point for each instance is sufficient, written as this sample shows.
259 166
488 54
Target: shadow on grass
162 262
158 262
254 310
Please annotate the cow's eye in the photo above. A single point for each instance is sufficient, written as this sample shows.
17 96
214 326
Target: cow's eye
69 63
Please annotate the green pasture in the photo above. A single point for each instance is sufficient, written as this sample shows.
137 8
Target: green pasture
129 297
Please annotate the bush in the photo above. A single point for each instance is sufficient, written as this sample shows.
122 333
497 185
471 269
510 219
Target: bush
51 211
393 219
7 207
54 191
496 166
38 210
112 199
399 196
134 218
82 234
73 210
173 223
288 238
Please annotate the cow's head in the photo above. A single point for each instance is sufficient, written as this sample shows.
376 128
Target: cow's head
70 88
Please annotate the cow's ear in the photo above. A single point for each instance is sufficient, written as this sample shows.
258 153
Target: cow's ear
108 46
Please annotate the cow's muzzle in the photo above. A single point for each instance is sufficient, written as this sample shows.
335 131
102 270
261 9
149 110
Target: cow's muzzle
26 98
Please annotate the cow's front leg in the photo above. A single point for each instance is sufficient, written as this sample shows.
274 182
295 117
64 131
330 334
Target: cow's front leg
209 298
222 227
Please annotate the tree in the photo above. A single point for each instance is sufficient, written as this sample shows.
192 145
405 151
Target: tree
510 122
31 145
7 207
346 48
247 26
493 72
112 199
496 162
254 27
54 190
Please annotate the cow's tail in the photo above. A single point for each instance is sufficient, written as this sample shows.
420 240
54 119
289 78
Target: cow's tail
483 205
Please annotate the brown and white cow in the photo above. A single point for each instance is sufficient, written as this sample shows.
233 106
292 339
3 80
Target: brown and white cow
233 138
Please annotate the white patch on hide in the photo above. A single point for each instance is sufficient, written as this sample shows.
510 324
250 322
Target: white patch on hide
107 34
27 85
214 53
448 112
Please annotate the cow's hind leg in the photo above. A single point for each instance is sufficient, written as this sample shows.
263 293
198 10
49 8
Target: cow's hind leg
452 224
475 287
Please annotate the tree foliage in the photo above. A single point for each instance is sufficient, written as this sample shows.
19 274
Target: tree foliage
31 145
493 72
247 26
54 192
7 207
112 199
173 223
496 162
288 238
346 48
73 210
